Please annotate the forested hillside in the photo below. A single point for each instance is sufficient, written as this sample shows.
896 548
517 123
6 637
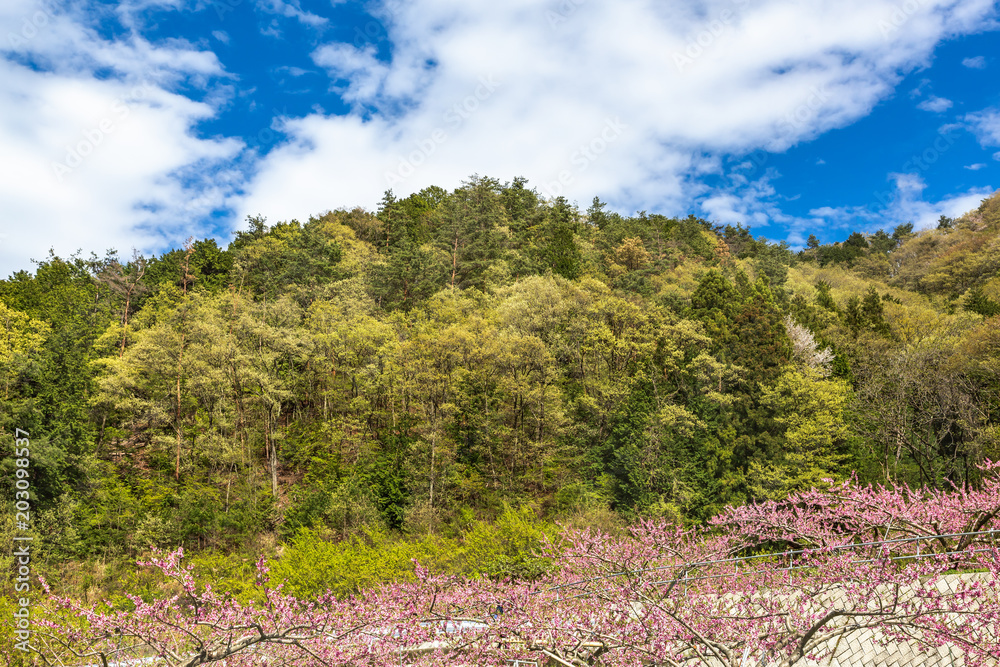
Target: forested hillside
456 357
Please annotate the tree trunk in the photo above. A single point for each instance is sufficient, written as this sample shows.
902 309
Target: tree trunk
433 445
272 452
177 412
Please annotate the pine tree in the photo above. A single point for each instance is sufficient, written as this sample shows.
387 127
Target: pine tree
562 254
977 302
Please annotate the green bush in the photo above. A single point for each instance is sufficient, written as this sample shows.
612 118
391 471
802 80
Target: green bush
507 548
313 563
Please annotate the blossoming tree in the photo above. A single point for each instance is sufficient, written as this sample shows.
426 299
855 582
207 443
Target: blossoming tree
769 584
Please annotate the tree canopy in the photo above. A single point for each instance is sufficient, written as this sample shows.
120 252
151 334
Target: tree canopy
401 374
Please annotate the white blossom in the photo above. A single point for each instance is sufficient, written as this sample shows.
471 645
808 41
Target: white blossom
804 348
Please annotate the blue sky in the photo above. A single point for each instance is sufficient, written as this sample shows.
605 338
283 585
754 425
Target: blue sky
142 122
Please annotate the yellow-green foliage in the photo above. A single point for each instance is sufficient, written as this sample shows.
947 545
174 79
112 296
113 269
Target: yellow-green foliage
950 261
675 285
311 564
984 218
230 574
802 279
366 384
810 410
20 337
915 313
507 547
7 637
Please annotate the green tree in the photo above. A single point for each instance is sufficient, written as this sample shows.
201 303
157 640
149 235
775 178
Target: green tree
824 298
772 262
474 232
206 267
902 232
808 411
596 215
562 254
977 302
288 258
761 344
410 275
521 205
63 295
867 314
881 242
21 339
397 226
715 302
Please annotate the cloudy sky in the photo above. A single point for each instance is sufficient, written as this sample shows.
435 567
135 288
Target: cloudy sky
142 122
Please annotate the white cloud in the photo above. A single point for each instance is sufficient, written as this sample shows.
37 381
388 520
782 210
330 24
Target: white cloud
690 82
133 14
359 69
908 185
935 104
751 199
903 203
221 35
92 163
751 202
291 9
977 62
919 89
976 167
985 125
292 71
633 101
